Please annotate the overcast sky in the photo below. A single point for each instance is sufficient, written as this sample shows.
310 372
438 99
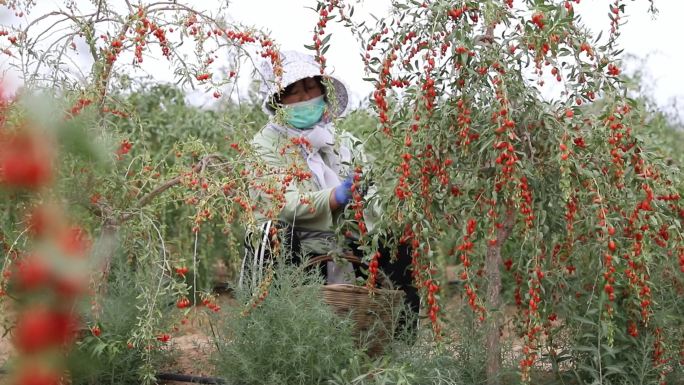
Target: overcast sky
653 40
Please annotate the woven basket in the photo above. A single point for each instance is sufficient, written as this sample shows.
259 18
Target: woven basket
370 309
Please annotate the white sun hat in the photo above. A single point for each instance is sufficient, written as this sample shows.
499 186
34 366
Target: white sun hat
297 66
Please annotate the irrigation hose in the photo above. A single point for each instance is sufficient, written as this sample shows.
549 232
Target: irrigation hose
189 378
174 377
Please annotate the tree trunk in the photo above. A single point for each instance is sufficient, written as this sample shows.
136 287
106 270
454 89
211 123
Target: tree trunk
493 263
493 343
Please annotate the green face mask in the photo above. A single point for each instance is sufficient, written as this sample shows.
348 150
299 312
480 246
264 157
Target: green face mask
304 115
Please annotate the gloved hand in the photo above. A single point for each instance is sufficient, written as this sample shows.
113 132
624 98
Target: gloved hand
343 193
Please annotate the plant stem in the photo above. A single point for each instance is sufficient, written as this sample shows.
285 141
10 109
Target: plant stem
492 269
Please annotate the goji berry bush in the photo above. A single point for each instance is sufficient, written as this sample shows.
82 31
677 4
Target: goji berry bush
559 209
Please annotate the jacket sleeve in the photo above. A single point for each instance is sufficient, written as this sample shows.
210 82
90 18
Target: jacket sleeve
309 210
290 201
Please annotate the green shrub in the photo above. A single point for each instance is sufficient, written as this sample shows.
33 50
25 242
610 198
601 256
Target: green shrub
117 356
292 337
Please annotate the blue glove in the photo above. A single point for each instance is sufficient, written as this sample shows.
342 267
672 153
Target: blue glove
343 193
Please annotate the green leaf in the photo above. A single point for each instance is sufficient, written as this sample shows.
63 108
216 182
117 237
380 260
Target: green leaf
614 369
583 320
589 349
598 37
99 349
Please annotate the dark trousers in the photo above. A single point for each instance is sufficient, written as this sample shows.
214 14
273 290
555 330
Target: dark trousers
399 272
397 269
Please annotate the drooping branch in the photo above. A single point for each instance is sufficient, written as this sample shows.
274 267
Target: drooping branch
112 223
199 167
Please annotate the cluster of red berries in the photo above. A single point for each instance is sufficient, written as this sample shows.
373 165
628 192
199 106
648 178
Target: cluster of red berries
432 291
465 249
564 149
270 51
202 215
380 93
568 4
160 34
526 201
373 270
195 30
463 122
124 148
25 161
115 112
81 103
456 13
619 139
403 190
243 203
428 86
538 20
585 47
357 201
415 48
423 274
144 27
240 37
609 271
183 303
210 304
614 16
141 34
293 146
507 157
613 70
115 49
259 295
517 293
181 271
164 338
375 39
632 329
570 212
319 30
533 322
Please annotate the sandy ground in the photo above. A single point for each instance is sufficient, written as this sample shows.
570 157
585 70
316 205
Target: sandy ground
5 343
193 344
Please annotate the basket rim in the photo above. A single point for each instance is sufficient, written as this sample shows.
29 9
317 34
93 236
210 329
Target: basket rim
361 289
384 280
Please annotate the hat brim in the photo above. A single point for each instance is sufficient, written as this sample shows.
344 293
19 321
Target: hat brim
298 66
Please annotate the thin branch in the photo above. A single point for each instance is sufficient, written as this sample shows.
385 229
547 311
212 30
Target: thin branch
130 7
53 13
46 30
199 167
9 252
48 51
